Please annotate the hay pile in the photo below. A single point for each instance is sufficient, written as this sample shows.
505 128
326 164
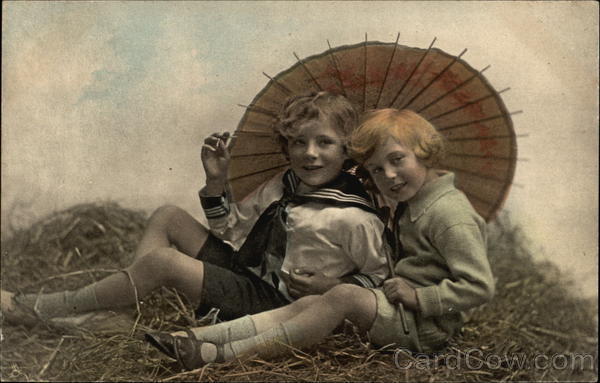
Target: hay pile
533 319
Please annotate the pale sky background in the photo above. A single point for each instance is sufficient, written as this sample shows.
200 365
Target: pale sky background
111 100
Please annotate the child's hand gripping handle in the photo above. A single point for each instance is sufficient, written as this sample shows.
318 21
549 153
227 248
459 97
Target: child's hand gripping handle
400 305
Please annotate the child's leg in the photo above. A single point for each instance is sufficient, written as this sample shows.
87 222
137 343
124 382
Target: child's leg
269 319
250 325
170 225
311 325
314 322
161 267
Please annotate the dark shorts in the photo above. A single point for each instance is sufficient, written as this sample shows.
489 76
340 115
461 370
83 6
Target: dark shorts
232 288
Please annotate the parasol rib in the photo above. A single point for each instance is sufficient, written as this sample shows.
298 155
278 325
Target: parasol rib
387 70
258 172
468 104
476 75
364 105
486 156
258 109
486 138
459 170
434 79
254 154
337 70
254 133
480 120
412 73
308 72
416 82
285 89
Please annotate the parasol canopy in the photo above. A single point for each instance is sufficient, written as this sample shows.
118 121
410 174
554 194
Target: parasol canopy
446 90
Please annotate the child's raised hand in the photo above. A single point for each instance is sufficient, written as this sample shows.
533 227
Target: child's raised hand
397 290
215 159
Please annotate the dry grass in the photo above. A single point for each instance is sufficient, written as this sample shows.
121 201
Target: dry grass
533 313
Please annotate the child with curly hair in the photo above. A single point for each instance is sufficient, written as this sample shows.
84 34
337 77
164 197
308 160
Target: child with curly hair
443 271
303 231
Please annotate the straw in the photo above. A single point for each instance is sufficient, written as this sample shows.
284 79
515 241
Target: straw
534 303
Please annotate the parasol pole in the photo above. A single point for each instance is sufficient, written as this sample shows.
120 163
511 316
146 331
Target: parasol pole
364 105
228 142
400 305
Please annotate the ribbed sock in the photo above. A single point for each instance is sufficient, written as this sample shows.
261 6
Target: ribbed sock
62 303
268 344
226 332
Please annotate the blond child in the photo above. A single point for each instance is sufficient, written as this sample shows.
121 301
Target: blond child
303 231
443 272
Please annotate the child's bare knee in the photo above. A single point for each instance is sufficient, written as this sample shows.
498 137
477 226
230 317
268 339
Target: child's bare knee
160 218
165 213
344 290
157 264
342 295
304 302
356 303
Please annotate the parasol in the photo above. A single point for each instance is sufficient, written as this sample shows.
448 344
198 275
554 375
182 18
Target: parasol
457 99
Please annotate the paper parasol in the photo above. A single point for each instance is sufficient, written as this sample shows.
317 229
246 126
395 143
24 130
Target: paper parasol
457 99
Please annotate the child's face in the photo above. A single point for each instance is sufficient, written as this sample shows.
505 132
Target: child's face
396 170
317 153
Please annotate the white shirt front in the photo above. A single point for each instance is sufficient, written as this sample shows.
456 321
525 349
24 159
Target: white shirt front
335 241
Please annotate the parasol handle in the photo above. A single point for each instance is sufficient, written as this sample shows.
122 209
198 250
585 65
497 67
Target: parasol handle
400 305
228 142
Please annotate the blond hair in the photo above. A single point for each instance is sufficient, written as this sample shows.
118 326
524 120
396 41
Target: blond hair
326 107
406 126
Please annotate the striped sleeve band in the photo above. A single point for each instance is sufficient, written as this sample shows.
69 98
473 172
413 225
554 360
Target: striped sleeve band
214 207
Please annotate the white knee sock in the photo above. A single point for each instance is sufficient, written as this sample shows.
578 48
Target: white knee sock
61 304
226 332
268 344
271 343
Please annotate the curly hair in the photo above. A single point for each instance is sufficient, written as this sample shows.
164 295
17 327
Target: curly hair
406 126
325 107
